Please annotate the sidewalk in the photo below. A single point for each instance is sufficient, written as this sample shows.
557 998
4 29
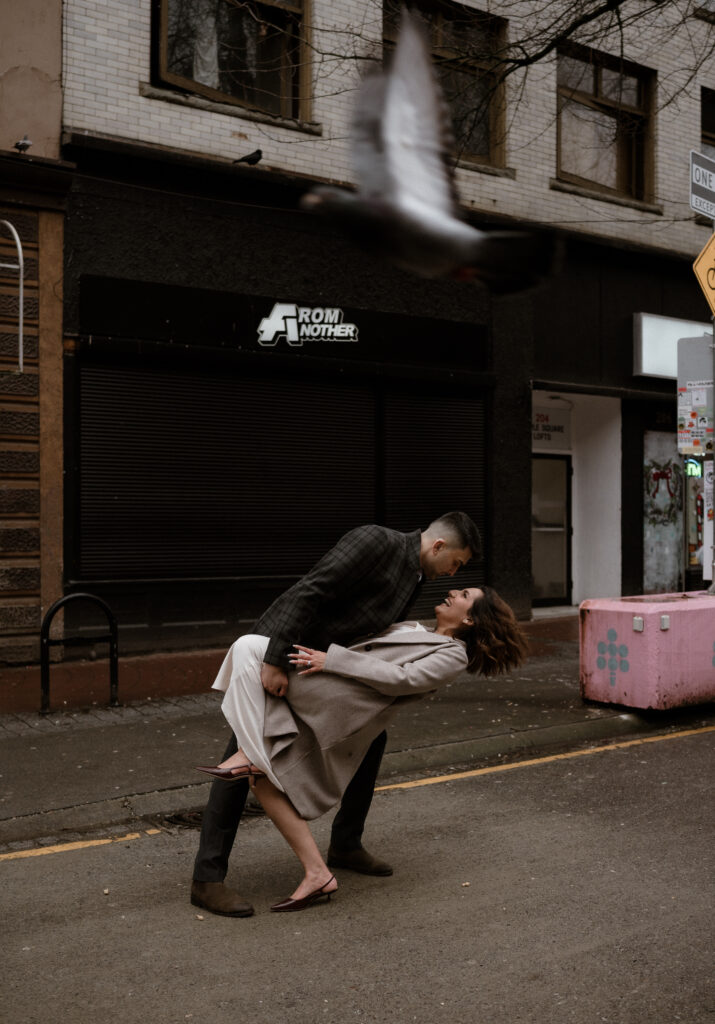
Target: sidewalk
77 770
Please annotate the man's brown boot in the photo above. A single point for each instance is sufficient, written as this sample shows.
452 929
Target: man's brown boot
358 860
219 899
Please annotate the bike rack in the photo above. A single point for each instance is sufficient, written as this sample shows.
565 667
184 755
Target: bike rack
74 641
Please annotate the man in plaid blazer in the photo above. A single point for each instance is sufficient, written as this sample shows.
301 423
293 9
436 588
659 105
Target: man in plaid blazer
364 583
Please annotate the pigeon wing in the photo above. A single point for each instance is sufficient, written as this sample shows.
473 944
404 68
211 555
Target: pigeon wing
415 127
368 149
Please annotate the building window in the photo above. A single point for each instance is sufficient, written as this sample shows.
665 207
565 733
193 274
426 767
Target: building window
465 45
247 53
604 123
707 122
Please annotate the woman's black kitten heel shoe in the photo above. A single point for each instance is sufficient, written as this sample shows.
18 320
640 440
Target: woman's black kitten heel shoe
305 901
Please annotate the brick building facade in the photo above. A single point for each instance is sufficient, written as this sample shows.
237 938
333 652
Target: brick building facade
178 431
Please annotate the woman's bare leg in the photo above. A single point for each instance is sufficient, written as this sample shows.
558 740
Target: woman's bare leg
296 833
236 760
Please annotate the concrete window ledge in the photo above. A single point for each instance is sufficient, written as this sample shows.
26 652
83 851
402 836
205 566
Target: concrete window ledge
153 92
496 172
604 197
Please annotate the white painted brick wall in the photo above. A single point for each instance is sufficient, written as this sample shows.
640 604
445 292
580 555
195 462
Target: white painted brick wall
107 47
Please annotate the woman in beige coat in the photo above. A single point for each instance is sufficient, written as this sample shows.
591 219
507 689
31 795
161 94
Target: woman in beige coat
300 753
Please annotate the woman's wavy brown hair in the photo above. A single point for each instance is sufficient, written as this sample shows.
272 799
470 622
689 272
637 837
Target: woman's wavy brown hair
495 641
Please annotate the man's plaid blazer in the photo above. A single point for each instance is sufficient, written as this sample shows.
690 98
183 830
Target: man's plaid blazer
360 586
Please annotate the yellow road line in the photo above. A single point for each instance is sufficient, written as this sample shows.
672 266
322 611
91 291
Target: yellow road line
80 845
433 779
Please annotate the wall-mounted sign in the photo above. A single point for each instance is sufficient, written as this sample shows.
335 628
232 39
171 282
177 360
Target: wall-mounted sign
655 343
296 324
550 428
695 396
702 184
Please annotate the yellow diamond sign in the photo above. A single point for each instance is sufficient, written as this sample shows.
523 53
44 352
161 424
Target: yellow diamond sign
704 268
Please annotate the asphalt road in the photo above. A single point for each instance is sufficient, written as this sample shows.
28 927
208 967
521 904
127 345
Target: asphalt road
570 889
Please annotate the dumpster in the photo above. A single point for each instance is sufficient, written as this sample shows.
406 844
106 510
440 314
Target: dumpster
655 651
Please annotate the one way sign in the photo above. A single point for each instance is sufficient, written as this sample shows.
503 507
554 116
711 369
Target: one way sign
702 184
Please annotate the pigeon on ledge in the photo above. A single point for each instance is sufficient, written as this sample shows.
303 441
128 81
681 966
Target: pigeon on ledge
250 158
406 205
23 145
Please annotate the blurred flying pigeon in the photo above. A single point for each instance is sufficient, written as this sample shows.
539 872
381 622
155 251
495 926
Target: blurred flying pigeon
250 158
23 145
405 207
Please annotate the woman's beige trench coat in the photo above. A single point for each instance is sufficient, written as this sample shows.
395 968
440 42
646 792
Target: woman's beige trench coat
318 737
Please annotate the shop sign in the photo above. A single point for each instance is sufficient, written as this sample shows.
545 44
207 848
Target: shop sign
550 428
297 324
695 396
655 343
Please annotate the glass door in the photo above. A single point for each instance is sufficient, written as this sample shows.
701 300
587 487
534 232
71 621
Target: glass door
551 529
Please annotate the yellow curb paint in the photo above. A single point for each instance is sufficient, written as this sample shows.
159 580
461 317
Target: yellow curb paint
79 845
432 780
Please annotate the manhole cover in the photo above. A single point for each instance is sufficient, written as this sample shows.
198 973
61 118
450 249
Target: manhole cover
193 819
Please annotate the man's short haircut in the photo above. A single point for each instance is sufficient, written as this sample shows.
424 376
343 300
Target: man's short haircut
459 531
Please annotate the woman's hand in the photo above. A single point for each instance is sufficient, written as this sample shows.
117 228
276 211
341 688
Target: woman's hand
308 659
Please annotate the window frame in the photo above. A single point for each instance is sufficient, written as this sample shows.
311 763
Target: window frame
295 102
443 54
635 151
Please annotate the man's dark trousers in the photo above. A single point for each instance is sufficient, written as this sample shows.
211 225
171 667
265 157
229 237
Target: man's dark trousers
227 799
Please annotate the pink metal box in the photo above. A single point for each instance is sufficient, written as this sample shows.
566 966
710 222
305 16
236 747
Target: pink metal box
655 651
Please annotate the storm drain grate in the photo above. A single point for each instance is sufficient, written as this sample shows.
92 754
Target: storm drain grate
184 819
193 819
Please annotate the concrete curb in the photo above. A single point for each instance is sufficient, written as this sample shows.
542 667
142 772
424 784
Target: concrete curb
461 751
102 812
396 762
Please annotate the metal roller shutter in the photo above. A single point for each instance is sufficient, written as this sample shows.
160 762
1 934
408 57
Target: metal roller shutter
434 463
187 476
199 476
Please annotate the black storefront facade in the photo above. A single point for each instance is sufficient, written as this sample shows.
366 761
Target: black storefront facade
204 472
